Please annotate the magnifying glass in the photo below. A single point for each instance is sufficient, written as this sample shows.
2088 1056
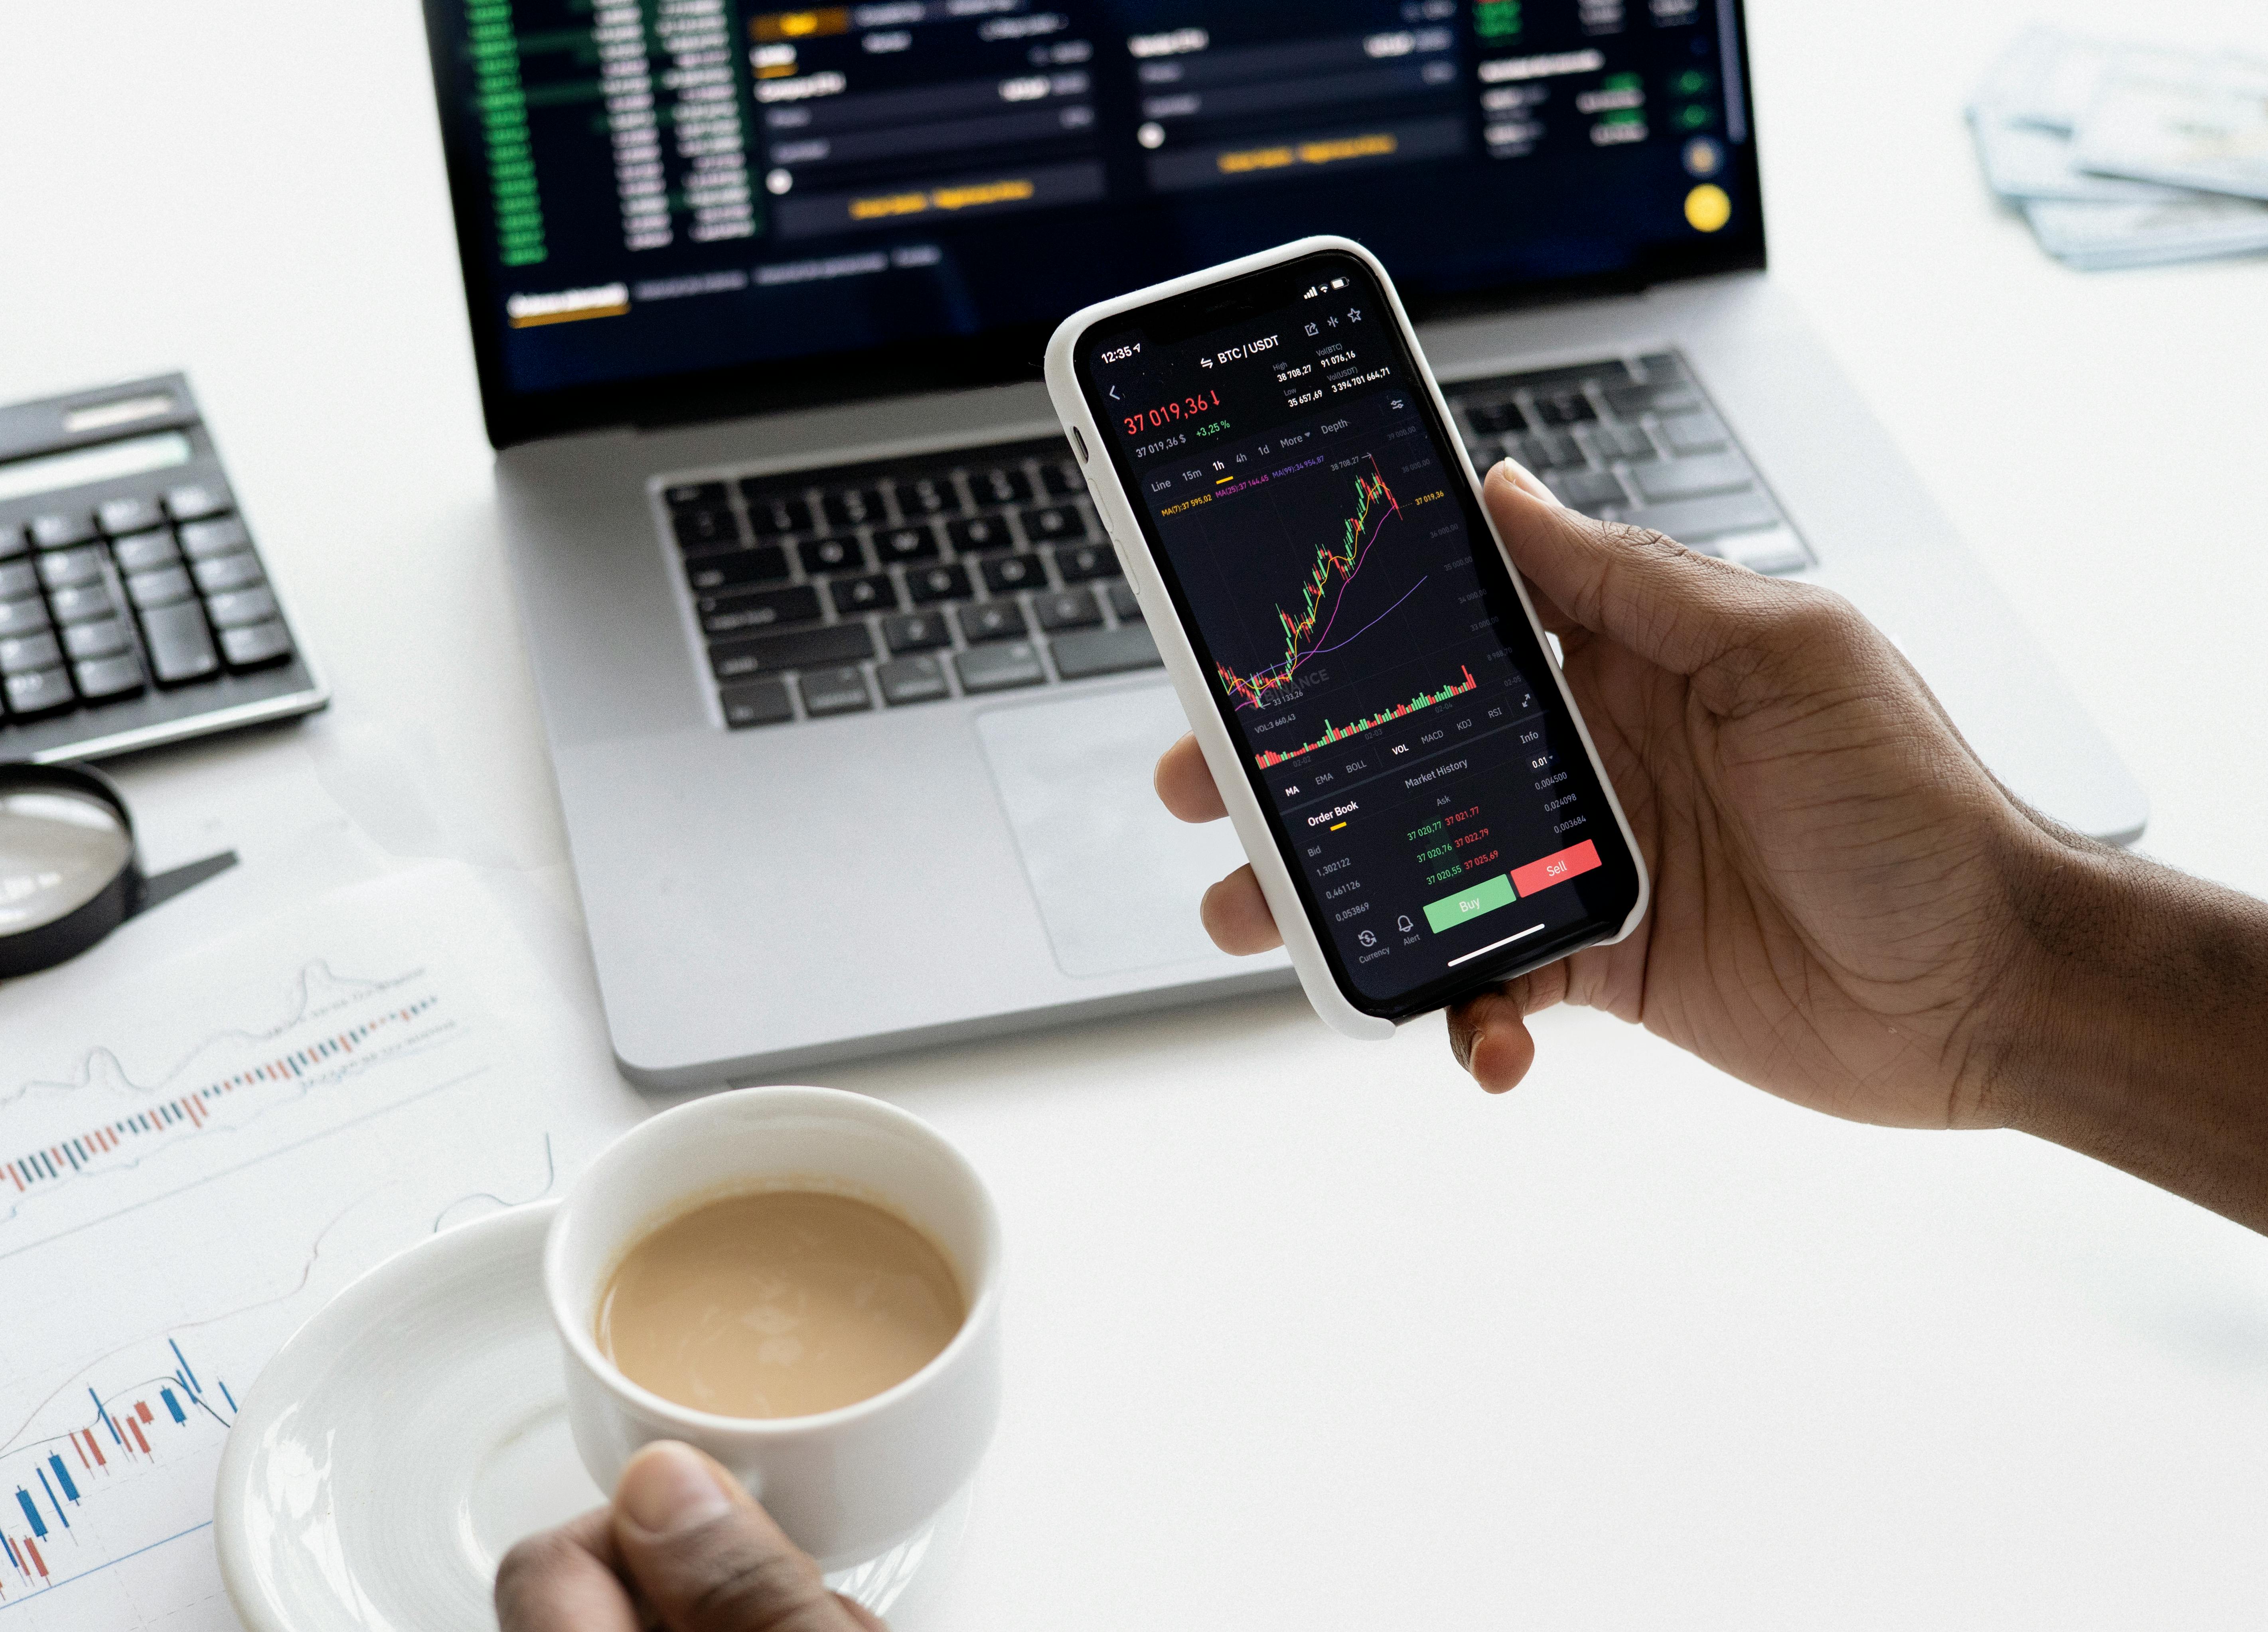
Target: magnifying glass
69 873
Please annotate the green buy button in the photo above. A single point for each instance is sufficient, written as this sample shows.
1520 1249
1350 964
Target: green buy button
1446 915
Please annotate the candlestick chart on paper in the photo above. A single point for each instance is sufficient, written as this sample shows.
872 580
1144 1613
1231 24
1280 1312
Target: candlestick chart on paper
189 1169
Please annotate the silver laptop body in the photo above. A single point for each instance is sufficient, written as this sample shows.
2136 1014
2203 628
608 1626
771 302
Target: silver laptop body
831 885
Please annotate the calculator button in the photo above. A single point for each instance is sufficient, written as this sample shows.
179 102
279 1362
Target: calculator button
252 606
180 648
102 679
229 572
60 532
138 552
106 639
12 543
69 567
990 620
250 647
161 588
204 539
40 691
18 580
21 617
195 500
127 515
80 605
21 653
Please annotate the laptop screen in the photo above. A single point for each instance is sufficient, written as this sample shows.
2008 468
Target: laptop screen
670 207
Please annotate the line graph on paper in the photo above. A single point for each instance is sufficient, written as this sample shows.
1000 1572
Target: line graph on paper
334 1045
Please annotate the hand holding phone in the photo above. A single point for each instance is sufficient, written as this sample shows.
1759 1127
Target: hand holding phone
1400 757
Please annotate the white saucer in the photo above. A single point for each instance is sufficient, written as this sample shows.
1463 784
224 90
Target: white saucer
413 1429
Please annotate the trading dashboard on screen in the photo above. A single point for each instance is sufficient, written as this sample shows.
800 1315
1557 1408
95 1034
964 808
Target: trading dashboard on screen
650 188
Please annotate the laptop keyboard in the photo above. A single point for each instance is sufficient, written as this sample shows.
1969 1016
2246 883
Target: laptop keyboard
890 585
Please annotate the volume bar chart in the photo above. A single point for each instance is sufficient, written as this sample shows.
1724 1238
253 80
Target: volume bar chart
1340 733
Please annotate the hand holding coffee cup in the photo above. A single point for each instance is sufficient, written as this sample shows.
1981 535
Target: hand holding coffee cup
804 1285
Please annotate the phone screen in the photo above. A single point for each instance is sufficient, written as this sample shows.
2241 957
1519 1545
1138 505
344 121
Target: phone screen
1360 631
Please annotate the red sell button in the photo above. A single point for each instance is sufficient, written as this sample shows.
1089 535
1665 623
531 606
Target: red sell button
1541 875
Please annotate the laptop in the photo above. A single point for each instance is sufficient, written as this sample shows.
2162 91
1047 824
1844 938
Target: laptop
851 714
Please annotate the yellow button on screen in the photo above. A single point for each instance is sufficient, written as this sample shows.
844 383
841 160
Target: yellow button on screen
1708 208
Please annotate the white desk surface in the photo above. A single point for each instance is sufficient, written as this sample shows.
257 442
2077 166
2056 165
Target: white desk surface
1310 1334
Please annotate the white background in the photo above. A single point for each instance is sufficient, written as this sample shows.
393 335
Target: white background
1303 1333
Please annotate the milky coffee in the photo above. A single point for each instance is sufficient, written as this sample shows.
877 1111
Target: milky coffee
778 1303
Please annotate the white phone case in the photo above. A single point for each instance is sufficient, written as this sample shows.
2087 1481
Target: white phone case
1222 753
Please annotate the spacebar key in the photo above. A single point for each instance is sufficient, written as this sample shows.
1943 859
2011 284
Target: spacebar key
768 654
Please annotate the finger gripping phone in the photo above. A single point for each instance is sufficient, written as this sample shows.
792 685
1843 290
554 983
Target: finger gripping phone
1356 653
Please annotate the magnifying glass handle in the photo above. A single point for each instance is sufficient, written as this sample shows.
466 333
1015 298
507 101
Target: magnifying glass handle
171 883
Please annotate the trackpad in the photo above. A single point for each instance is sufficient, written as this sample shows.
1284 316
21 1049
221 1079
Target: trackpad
1117 879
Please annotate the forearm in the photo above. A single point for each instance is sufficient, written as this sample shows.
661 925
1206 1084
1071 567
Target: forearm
2137 1030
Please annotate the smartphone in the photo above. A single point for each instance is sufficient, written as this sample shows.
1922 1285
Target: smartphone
1357 655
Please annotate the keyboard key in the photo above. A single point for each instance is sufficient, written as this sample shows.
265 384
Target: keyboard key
1614 442
21 617
1006 573
773 513
764 654
1061 478
832 554
18 579
999 668
40 691
979 533
926 495
852 507
1693 433
696 495
1067 609
256 645
898 545
916 631
1082 563
1587 489
127 515
1105 652
229 572
853 596
1659 397
1773 551
1690 478
833 691
69 568
1547 450
180 648
13 542
1058 524
705 529
1691 520
78 606
106 639
201 540
929 585
912 679
1123 605
138 552
1565 408
990 620
20 653
1000 486
161 588
59 532
195 500
762 565
1497 419
758 609
761 703
102 679
240 606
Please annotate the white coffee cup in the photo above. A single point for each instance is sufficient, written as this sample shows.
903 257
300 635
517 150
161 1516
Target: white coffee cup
846 1485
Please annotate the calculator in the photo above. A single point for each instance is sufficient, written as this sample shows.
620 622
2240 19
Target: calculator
135 609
